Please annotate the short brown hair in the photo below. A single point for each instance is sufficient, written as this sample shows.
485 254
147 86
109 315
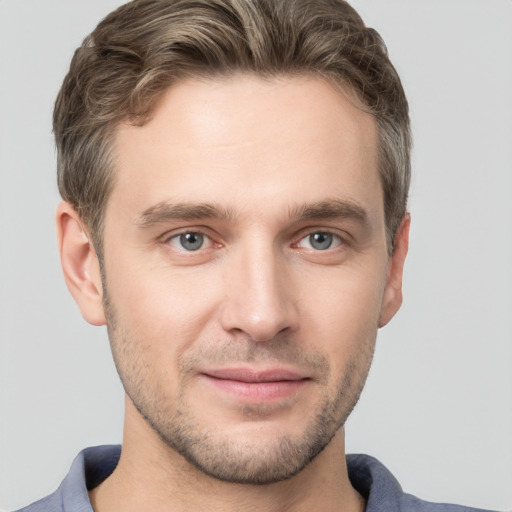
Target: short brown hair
125 65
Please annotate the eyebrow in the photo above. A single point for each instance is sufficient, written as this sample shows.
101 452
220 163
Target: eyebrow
166 211
331 209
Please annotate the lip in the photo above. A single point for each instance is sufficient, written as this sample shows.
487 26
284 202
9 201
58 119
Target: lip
256 385
254 376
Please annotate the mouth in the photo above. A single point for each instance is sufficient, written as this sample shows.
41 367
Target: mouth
256 385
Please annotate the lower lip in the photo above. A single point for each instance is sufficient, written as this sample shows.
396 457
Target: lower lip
258 391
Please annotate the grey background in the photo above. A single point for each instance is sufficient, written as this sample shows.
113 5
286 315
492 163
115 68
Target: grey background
437 409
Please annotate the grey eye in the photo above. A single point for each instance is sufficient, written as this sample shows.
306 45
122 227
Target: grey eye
188 241
320 241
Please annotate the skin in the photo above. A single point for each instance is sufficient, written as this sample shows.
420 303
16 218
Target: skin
263 170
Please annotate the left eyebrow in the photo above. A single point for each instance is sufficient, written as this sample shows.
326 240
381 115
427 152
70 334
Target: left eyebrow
331 209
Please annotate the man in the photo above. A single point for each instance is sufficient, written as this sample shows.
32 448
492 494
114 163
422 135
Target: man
235 179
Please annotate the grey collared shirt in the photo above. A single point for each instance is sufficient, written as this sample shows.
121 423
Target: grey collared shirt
368 476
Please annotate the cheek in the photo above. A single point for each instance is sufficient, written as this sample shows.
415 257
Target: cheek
165 311
341 314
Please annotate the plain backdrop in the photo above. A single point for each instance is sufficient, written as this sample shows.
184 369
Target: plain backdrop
437 409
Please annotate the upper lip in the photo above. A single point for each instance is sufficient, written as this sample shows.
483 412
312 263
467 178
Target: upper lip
253 375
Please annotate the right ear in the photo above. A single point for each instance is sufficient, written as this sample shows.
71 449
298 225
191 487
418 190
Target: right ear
80 264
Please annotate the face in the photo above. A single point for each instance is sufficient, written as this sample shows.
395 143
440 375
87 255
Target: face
246 270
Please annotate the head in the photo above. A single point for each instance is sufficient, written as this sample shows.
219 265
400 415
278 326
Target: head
235 176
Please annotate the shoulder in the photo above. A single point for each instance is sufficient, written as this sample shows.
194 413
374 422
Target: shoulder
411 503
383 492
52 503
89 469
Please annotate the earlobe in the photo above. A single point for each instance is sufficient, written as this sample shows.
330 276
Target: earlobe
392 299
80 264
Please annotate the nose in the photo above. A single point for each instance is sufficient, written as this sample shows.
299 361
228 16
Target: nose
259 301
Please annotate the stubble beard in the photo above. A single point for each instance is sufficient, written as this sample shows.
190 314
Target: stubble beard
211 451
258 461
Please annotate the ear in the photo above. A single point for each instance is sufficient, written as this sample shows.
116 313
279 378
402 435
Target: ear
80 264
392 299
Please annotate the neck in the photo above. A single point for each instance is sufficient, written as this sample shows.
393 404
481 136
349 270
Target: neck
152 476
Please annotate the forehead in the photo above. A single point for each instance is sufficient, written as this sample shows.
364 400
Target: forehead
242 140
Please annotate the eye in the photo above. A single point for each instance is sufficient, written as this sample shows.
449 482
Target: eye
320 241
191 241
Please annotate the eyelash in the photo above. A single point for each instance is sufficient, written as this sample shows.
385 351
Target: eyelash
169 239
337 241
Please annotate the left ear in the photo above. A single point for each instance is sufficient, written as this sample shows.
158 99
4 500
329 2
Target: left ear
392 299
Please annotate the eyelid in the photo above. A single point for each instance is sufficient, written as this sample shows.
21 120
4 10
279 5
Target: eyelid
175 241
175 234
337 240
342 237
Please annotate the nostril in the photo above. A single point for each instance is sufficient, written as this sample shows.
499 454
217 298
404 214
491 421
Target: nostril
284 330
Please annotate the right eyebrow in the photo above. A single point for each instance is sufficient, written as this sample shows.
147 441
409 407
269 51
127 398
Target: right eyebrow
166 211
